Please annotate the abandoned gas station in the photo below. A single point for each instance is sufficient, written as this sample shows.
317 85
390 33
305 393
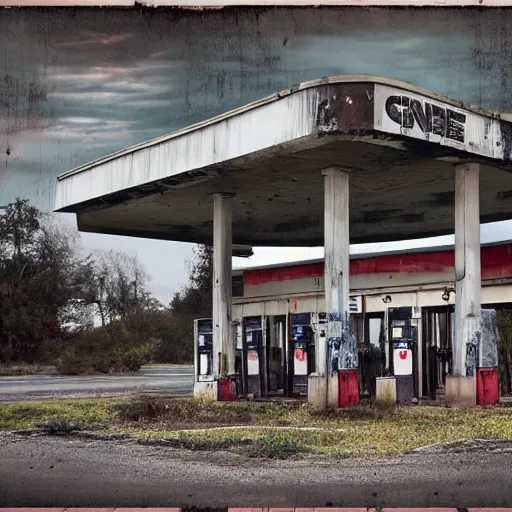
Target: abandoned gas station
330 162
280 315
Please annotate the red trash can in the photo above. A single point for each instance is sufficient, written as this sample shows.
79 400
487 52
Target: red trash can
348 388
487 386
226 391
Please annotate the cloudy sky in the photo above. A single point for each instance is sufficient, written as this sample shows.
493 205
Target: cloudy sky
76 85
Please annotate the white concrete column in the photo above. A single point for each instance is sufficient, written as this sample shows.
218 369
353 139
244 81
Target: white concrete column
223 342
467 263
338 344
337 266
460 387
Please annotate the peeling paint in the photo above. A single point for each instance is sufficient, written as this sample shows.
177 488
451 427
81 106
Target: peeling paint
471 355
326 120
342 347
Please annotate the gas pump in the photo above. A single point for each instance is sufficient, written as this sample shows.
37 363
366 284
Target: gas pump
203 335
320 328
303 352
253 352
403 341
203 354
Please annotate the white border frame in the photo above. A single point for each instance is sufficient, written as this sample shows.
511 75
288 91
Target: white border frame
206 4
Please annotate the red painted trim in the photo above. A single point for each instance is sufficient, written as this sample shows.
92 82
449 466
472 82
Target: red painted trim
267 275
496 263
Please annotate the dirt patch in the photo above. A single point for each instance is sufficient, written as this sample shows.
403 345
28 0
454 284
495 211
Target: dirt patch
467 446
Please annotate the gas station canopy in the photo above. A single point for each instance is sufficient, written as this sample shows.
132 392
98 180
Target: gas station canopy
398 142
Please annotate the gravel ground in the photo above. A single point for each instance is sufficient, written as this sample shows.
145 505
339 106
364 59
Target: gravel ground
88 471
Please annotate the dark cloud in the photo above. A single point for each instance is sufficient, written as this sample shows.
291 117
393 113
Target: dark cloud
77 84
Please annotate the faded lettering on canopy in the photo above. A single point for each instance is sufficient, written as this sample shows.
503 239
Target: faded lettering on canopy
398 111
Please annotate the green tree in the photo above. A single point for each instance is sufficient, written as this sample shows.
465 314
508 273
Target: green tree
194 301
19 226
48 286
40 273
47 283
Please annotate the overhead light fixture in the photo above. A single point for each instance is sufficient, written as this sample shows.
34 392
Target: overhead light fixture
446 293
242 251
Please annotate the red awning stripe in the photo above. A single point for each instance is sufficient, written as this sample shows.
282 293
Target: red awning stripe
496 263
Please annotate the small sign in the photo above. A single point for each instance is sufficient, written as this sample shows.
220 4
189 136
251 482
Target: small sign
301 362
239 344
253 364
355 304
402 361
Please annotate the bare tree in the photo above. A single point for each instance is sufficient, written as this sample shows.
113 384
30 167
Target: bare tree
118 285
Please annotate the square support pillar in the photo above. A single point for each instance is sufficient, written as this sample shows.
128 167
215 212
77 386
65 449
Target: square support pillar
223 342
337 352
467 286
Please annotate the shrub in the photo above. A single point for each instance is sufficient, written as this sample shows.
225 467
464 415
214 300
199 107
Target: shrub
71 363
105 350
135 357
142 409
181 412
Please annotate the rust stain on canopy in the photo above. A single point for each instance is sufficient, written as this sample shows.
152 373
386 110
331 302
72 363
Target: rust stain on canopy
399 143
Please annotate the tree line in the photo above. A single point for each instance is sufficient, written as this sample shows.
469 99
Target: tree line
87 312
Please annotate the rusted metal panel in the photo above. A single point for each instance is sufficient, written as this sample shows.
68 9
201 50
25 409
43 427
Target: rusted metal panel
345 108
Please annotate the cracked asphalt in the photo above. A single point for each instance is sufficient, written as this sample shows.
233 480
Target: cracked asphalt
44 471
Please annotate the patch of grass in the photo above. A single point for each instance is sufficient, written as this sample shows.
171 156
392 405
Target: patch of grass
91 413
276 447
255 443
342 432
185 423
